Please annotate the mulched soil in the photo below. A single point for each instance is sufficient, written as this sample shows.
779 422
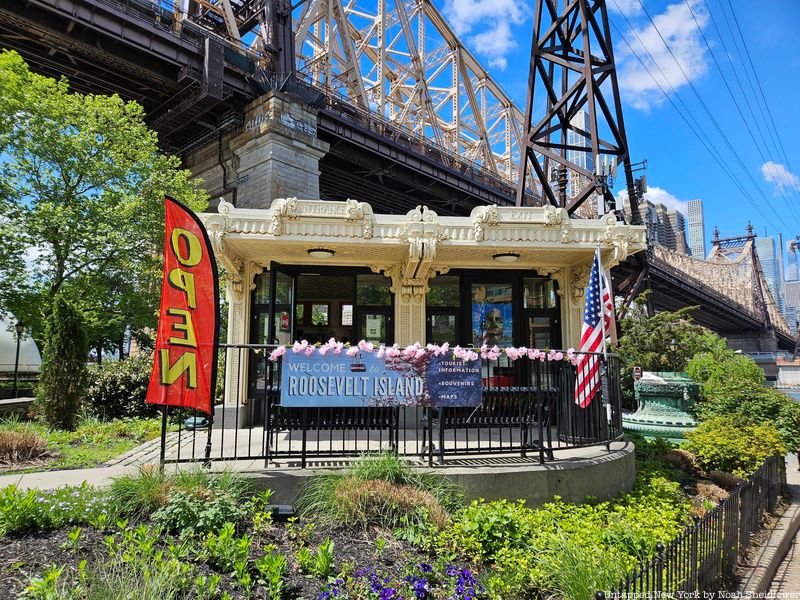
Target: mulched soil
27 556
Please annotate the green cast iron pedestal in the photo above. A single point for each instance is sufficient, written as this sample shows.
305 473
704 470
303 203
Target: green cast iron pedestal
664 399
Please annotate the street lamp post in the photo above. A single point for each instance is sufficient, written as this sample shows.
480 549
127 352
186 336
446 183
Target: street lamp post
673 348
20 329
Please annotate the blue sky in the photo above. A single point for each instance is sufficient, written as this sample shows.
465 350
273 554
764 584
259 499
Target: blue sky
679 167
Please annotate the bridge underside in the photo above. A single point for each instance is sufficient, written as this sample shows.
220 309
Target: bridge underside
133 50
670 291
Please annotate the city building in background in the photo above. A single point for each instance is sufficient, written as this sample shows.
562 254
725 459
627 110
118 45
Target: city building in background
769 259
665 227
793 257
697 232
792 303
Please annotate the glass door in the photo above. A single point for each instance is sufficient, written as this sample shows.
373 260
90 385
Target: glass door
282 301
542 313
374 309
271 323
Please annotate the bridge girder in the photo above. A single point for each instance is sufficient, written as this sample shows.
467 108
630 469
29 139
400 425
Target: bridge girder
400 60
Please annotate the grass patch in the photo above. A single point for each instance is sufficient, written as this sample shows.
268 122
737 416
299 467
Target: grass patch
92 443
379 489
151 489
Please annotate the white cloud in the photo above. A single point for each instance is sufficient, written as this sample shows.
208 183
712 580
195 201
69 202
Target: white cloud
780 177
658 195
487 23
683 36
626 7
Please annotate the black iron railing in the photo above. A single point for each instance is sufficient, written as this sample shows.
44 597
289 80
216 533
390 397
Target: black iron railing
528 409
703 557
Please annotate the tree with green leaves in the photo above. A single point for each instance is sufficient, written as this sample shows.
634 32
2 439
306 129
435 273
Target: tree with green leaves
63 377
82 191
646 341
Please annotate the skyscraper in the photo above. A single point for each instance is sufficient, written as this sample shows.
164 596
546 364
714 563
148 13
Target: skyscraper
768 257
665 227
697 234
793 270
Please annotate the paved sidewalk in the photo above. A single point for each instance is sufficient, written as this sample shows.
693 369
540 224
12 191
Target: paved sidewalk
53 479
787 577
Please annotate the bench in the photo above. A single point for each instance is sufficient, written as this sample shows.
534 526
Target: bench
514 407
305 419
15 405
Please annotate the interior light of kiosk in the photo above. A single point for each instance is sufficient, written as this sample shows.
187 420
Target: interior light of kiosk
506 257
321 252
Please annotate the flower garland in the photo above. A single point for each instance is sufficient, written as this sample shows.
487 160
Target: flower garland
417 350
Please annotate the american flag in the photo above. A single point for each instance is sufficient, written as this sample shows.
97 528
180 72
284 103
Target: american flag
593 333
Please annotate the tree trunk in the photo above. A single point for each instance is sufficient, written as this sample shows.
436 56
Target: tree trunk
99 350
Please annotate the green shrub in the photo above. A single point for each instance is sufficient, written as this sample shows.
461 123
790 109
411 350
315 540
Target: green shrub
185 512
118 388
520 546
33 509
733 445
733 385
713 370
63 377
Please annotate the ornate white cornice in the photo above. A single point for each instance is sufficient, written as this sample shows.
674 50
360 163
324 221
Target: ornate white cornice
421 231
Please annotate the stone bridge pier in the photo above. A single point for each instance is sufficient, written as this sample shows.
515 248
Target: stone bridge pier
275 153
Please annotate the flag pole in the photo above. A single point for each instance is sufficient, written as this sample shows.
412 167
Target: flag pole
601 277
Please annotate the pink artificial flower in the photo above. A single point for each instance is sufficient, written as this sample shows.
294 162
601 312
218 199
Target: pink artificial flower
559 356
277 353
512 353
297 347
323 350
309 350
381 351
352 351
551 355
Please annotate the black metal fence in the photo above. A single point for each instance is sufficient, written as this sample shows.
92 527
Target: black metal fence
528 409
704 556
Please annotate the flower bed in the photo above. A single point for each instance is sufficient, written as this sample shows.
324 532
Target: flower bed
203 535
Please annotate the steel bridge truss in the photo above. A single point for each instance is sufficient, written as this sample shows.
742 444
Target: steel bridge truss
398 59
401 60
573 147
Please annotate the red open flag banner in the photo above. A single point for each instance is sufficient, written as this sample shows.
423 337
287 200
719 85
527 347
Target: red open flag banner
185 366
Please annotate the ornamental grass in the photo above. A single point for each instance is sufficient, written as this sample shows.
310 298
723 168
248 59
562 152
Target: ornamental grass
379 489
20 446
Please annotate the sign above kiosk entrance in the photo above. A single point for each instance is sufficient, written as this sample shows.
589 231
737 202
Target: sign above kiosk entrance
366 379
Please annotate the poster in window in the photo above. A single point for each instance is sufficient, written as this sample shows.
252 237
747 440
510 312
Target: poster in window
492 324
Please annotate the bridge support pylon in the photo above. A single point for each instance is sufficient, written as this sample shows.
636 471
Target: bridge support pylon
275 153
